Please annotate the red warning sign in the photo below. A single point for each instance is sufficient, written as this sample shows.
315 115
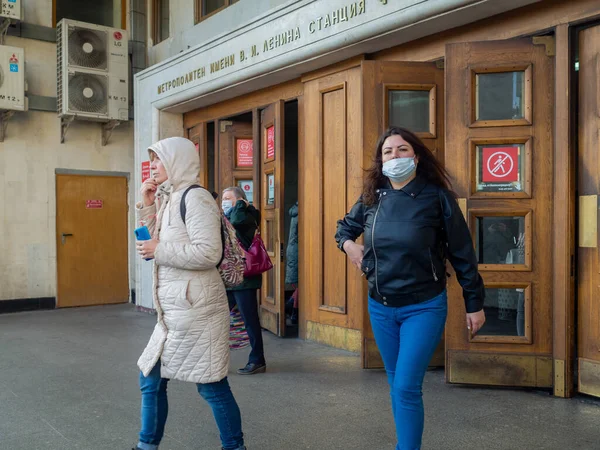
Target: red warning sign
271 142
145 170
244 153
94 204
500 164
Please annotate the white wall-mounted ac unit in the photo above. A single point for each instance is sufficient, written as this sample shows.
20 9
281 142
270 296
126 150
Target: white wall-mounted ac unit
12 9
12 79
93 68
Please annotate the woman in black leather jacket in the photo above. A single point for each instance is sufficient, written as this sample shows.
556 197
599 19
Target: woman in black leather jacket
412 223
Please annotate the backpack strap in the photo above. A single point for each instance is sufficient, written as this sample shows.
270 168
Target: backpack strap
182 207
183 210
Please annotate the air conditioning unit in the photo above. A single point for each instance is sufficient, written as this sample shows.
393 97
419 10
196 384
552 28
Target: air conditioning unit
12 9
12 79
93 67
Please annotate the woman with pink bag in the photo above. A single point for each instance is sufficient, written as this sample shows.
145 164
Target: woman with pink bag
245 219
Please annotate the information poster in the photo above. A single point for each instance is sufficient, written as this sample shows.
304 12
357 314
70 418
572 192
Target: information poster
145 170
245 153
271 189
248 188
271 142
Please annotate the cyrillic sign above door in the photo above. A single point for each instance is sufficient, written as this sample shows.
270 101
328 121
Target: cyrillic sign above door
270 37
309 33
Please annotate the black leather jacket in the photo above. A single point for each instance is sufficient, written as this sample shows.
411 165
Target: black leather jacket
407 239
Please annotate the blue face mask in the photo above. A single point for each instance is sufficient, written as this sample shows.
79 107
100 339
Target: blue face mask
399 169
226 206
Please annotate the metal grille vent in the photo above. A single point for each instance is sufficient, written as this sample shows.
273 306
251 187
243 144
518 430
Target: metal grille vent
88 93
59 69
87 48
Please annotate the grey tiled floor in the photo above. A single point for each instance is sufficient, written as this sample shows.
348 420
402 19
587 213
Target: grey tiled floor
68 381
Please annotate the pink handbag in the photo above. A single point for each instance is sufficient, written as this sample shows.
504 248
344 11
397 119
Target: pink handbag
257 258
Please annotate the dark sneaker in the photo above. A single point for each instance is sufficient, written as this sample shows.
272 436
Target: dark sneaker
252 368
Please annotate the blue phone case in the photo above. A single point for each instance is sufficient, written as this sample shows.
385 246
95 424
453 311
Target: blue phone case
142 234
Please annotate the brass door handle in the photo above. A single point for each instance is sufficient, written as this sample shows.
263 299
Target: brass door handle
64 236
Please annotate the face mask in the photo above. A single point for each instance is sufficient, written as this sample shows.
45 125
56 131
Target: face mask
399 169
226 206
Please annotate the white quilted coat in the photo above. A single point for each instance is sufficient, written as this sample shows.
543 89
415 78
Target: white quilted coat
192 332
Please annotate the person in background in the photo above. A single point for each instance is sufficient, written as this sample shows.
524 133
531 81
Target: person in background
190 341
291 268
411 222
245 219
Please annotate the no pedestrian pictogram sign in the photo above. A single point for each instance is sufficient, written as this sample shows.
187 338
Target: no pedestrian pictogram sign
500 164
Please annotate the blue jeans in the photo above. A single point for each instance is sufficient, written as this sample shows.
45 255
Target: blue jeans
407 338
155 408
248 305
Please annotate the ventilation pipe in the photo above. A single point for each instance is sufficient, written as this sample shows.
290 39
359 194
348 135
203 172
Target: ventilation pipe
137 40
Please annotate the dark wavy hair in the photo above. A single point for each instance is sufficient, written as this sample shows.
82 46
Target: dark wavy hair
428 167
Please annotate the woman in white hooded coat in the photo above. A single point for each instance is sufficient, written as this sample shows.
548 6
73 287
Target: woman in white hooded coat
190 340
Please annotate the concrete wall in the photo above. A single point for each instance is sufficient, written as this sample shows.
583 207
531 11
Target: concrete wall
184 34
29 156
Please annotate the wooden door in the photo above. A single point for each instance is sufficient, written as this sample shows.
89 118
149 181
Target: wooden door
332 292
199 136
272 301
499 152
91 240
235 156
409 95
588 275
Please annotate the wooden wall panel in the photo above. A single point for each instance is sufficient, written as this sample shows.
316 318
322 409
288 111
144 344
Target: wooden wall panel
588 300
333 138
246 103
525 21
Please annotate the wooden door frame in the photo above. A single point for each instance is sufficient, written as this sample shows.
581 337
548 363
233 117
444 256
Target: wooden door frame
199 135
275 118
565 183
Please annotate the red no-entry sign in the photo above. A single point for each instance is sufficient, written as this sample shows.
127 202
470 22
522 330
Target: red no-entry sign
500 164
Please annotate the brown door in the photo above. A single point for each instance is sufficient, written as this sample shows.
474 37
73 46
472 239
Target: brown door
410 95
199 136
499 152
272 126
588 282
91 240
332 292
235 156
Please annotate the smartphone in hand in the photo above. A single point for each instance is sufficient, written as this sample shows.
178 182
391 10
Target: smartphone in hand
143 234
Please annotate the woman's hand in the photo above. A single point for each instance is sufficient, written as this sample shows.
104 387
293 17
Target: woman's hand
475 321
148 191
146 249
355 252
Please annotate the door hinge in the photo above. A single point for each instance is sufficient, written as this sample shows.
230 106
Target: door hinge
281 251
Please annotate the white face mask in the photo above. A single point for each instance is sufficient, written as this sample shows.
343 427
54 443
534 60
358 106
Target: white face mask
226 206
399 169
